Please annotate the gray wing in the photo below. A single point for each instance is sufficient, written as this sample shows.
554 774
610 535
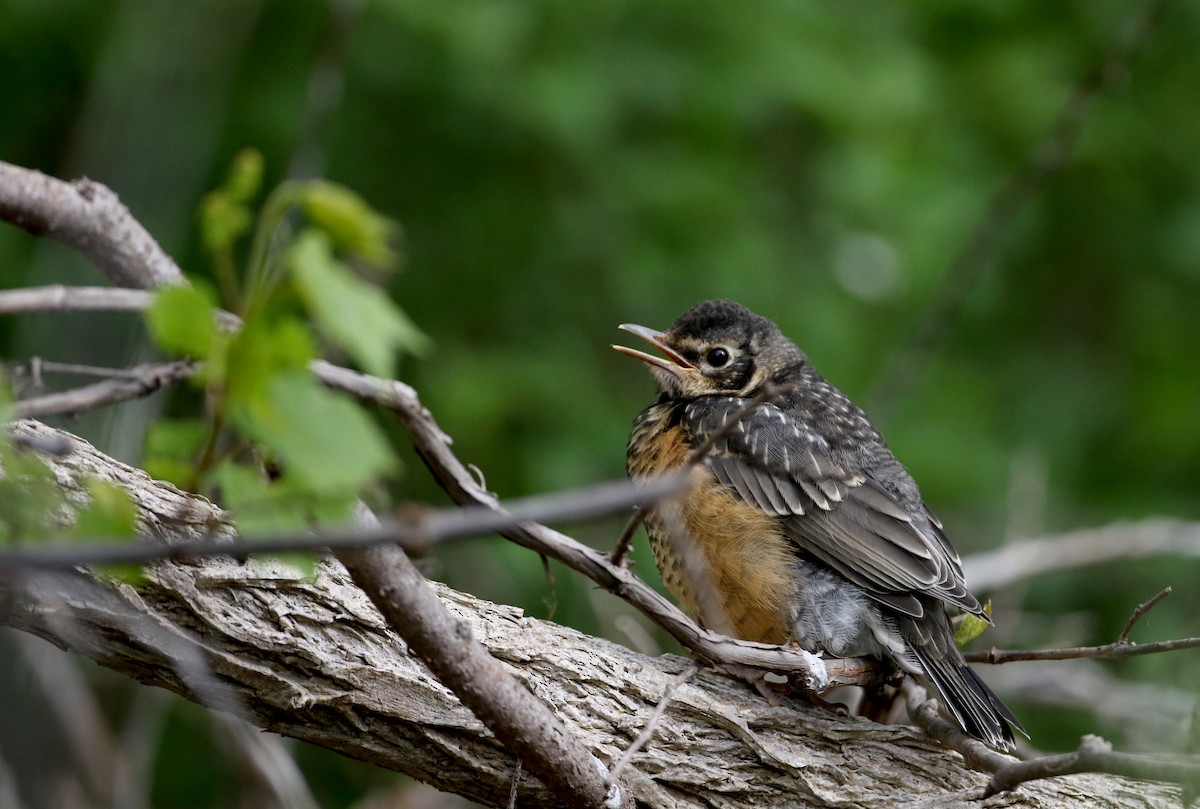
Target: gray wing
847 519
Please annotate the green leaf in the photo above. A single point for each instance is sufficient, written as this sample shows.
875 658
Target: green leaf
327 443
245 175
263 348
971 627
172 447
181 320
176 438
262 506
224 214
110 513
352 224
132 574
358 317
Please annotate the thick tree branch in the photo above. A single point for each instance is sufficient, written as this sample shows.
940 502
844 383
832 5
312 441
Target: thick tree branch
313 659
525 726
87 216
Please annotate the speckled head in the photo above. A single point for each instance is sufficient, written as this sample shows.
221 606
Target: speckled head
716 348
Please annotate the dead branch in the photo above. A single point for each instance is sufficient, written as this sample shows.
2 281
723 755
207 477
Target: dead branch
522 723
1093 755
133 383
59 298
417 530
313 659
1119 648
90 218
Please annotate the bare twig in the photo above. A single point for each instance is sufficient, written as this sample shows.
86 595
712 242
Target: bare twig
521 722
88 217
1023 560
36 367
1138 612
679 680
1120 648
138 381
516 785
625 541
979 250
1093 755
1109 651
59 298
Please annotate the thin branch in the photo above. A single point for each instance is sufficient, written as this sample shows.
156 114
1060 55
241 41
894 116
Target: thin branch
1120 648
516 785
1093 755
522 723
59 298
1020 561
88 217
138 381
625 541
36 367
1139 611
978 252
1109 651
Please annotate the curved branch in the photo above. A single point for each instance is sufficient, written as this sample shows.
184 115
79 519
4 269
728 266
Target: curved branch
133 383
90 218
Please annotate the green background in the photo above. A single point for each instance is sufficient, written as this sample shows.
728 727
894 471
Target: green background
562 167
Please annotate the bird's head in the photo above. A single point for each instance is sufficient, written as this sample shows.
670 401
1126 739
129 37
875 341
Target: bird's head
716 347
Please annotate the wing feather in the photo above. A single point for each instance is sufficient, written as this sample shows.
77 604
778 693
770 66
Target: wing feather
846 518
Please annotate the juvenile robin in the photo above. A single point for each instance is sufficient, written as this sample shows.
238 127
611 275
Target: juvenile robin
808 528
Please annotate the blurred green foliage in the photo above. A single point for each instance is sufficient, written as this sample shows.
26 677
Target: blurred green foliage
559 168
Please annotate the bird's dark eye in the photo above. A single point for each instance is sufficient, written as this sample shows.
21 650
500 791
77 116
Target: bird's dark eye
717 357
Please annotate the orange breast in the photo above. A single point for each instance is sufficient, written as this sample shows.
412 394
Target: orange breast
744 563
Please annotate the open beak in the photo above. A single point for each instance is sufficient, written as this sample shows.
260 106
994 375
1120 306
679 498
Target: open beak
672 364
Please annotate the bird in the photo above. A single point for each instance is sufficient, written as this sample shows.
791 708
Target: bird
805 525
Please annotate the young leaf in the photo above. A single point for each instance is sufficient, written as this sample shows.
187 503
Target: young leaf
111 513
181 320
352 224
971 627
326 443
357 316
224 214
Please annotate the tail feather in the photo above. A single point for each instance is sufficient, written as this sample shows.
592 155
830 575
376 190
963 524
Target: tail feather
976 707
